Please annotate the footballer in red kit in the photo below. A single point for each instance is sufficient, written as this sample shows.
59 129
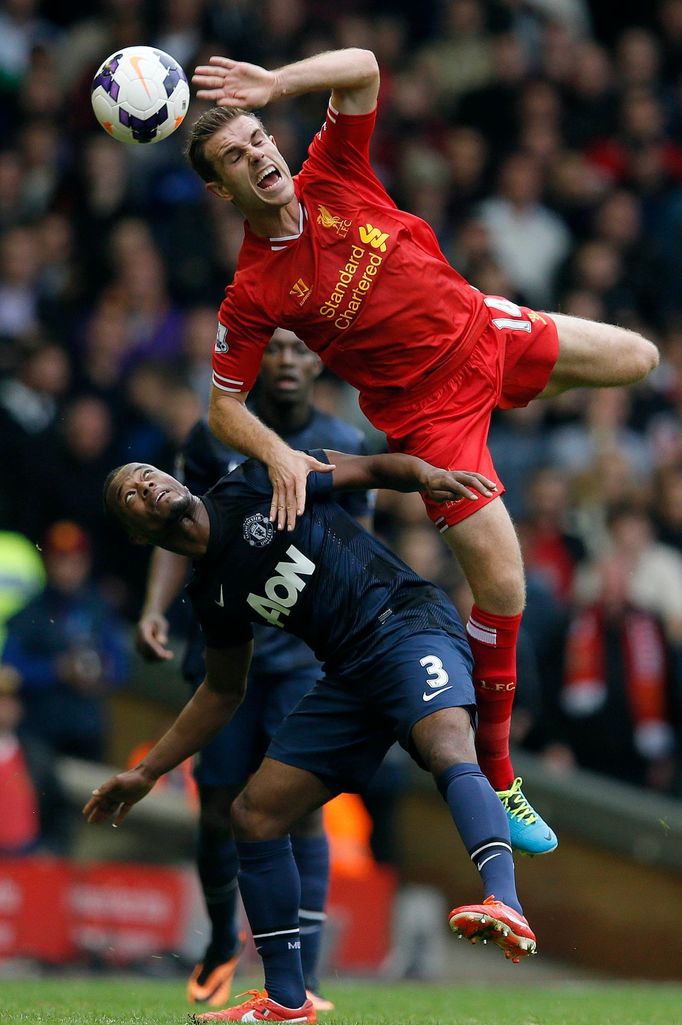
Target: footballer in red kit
328 254
366 286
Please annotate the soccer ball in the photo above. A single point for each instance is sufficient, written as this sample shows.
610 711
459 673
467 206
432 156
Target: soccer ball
140 94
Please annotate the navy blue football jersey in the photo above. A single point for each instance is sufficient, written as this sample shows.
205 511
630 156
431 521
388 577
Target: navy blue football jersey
204 460
327 582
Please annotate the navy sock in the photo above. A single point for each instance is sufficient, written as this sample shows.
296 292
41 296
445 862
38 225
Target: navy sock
312 861
482 824
218 865
271 891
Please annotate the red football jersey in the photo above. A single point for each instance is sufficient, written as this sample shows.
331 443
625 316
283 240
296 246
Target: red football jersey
362 283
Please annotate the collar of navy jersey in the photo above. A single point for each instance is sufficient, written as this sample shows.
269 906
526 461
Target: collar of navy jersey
281 242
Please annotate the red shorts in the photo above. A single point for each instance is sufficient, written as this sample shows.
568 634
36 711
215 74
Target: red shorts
509 366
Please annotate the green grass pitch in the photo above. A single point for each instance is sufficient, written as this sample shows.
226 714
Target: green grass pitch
131 1001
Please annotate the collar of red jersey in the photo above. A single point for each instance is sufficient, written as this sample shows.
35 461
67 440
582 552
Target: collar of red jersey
283 241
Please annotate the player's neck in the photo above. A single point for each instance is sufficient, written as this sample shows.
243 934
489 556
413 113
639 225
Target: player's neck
277 222
284 417
189 535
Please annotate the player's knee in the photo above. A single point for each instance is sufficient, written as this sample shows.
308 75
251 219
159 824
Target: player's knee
504 593
443 739
645 358
310 825
250 822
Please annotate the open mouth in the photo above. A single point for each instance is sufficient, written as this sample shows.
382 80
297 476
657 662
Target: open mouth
159 497
268 178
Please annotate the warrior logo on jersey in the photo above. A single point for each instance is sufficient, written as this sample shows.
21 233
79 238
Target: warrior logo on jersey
258 530
220 343
300 291
329 220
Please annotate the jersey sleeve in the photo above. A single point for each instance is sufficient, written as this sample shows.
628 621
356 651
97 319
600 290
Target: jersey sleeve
360 504
240 342
217 633
197 465
319 485
341 150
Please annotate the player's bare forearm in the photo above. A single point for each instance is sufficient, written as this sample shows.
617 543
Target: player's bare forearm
352 75
399 472
211 707
235 425
199 721
167 574
239 428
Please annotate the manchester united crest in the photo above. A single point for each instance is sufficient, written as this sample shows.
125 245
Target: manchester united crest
258 530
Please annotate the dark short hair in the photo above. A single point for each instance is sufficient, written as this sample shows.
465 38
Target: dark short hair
204 128
108 481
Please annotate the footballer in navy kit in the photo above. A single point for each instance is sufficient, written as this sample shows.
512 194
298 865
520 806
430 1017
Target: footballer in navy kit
397 666
283 669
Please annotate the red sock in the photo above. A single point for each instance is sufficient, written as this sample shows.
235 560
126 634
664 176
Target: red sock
492 640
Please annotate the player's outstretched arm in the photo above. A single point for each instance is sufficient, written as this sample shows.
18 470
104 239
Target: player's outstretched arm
352 75
236 426
167 574
399 472
212 706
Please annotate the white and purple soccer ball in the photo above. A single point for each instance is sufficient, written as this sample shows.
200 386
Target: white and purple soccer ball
140 94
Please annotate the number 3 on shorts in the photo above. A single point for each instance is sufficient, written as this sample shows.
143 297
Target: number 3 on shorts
437 675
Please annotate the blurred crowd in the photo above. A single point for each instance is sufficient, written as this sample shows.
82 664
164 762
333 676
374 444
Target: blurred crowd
542 140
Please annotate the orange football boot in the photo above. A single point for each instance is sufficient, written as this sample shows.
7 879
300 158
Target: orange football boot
259 1007
216 988
493 920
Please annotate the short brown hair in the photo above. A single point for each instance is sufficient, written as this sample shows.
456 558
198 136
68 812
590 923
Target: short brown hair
204 128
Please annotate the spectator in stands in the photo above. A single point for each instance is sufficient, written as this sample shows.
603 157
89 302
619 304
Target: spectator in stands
19 266
551 550
34 812
654 570
69 651
29 402
68 472
517 221
615 690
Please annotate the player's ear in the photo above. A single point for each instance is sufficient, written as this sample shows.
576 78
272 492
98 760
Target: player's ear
318 367
219 190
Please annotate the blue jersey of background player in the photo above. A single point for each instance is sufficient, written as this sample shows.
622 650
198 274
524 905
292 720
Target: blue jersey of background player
282 670
397 666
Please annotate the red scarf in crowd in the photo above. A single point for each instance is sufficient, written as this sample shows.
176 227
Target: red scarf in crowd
584 688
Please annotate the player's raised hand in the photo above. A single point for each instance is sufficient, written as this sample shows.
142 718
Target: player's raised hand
452 485
115 798
151 637
229 83
288 472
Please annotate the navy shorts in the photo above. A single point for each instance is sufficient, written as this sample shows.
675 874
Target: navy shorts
237 751
342 729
